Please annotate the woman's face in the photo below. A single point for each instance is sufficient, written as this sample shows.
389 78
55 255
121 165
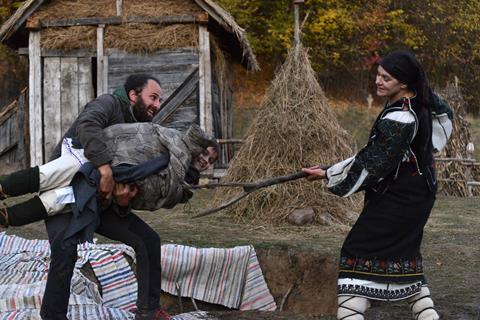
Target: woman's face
205 159
388 86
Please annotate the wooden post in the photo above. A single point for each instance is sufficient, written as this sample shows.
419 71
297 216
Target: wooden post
468 171
119 8
205 81
100 61
296 13
35 99
52 105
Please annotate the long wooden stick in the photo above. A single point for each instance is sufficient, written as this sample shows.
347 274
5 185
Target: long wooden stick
253 185
247 189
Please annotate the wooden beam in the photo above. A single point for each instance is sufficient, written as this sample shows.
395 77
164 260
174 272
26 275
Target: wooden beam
205 81
52 106
85 82
119 8
35 99
231 141
6 112
100 61
174 19
7 149
23 150
78 53
177 97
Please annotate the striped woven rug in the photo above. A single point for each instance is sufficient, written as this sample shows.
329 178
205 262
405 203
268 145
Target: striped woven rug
230 277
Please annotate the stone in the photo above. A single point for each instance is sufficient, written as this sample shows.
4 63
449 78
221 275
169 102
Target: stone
301 217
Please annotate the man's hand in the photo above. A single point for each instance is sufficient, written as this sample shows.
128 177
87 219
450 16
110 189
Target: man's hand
123 193
315 173
106 181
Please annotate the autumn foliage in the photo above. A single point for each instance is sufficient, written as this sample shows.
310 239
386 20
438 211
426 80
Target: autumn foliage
345 37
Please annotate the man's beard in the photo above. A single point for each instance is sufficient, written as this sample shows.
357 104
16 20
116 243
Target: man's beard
140 111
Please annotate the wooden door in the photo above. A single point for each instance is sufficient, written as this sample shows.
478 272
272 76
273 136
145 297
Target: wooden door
67 87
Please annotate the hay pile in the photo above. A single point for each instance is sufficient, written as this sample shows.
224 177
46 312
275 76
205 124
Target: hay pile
452 174
132 37
148 38
294 128
77 37
71 9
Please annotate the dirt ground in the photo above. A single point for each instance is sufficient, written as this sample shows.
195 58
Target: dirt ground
304 259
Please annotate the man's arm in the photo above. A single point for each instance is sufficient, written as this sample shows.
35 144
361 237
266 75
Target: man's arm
97 115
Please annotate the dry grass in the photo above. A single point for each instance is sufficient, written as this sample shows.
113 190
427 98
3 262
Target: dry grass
70 9
294 128
148 38
149 8
456 148
69 38
136 38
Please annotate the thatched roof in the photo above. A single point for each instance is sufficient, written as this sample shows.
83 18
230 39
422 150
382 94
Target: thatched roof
219 20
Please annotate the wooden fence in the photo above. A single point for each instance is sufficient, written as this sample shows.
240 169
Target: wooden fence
470 164
14 135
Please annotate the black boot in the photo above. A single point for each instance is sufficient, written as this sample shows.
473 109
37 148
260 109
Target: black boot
20 182
26 212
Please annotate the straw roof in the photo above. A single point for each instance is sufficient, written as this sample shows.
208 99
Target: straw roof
219 19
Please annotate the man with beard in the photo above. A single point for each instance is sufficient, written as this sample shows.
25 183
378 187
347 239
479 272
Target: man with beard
138 100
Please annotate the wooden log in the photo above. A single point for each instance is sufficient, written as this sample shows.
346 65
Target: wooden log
51 104
35 99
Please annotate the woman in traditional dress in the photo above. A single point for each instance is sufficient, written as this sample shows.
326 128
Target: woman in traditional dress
380 258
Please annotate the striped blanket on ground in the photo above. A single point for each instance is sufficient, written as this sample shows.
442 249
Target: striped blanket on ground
231 277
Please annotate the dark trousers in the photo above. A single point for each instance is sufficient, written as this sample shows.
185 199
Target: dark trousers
130 230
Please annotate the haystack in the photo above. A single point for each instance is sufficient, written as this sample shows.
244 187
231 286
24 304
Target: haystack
294 128
452 175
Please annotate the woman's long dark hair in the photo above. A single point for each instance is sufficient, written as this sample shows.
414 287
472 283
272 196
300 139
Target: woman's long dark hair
405 67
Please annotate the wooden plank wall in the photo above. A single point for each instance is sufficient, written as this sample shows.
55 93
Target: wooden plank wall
171 67
67 87
14 151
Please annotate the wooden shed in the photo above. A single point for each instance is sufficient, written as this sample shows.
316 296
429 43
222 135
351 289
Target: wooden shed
79 49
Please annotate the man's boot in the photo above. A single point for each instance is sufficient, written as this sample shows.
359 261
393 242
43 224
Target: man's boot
23 213
20 182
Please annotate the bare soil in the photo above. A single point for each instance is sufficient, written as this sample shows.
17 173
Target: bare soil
299 263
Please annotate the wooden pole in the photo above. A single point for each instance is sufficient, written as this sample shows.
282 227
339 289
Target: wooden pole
100 61
35 99
296 13
119 8
468 171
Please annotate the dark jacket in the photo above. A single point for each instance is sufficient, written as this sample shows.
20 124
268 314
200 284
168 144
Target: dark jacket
86 209
102 112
